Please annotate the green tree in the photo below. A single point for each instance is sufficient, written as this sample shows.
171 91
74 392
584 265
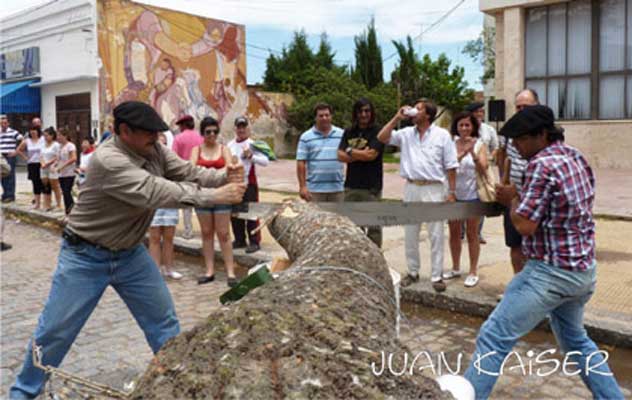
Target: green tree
483 51
325 56
285 72
434 79
368 58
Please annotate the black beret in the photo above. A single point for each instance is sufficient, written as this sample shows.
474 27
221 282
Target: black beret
529 119
140 115
474 106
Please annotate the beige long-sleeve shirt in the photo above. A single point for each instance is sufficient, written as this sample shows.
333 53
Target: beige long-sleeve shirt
122 190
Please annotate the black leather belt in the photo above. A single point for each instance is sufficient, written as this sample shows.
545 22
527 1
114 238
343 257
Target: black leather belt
75 239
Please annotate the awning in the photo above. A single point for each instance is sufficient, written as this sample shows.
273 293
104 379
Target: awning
19 97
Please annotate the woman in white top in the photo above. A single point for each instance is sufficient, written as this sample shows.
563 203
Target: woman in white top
161 234
66 166
472 156
31 151
48 168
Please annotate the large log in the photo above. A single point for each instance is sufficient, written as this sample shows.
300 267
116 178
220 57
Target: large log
311 333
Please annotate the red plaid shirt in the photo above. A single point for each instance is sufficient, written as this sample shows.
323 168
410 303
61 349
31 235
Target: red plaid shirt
558 193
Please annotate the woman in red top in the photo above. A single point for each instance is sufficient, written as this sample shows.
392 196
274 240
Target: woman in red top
214 220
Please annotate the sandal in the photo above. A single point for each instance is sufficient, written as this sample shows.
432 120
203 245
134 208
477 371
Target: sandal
471 281
205 279
452 274
232 282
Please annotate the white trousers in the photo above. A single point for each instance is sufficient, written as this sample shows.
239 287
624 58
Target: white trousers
430 193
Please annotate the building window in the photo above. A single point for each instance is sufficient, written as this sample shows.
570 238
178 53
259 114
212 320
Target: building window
578 57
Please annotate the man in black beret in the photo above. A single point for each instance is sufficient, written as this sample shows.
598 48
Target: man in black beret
554 214
129 176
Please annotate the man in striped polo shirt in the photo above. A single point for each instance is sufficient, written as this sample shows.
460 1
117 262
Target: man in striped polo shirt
9 140
515 168
320 174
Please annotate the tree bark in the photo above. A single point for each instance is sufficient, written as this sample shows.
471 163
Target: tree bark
312 333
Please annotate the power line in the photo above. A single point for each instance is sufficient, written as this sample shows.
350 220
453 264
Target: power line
434 24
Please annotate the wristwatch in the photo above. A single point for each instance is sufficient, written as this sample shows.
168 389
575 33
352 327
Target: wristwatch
348 151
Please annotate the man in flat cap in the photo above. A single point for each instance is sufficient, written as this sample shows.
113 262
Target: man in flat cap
554 215
129 176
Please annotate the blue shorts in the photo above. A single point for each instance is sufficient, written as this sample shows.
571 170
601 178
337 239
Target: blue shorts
216 209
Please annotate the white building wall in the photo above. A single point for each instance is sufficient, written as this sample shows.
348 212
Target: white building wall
50 92
65 32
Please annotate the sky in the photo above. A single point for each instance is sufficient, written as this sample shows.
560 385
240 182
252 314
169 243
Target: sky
270 25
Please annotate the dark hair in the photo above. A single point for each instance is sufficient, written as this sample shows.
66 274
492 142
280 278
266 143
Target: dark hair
322 106
357 106
117 124
51 131
188 124
89 138
37 129
462 115
553 133
65 132
208 121
430 106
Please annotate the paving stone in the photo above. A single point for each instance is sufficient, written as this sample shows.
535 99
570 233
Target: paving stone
112 349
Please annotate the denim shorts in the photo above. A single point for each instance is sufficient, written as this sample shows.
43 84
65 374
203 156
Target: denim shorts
216 209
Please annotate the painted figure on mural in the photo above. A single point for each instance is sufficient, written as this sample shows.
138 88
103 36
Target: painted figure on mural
180 64
221 40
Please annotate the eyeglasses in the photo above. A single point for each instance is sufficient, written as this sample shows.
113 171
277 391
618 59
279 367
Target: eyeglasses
211 131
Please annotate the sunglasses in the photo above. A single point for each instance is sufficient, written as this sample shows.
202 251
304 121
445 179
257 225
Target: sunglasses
211 131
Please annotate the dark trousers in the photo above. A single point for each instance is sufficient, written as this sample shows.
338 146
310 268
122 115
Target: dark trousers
373 232
66 182
34 177
8 182
240 225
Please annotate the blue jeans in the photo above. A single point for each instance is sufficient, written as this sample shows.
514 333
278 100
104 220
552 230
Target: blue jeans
8 182
541 290
83 273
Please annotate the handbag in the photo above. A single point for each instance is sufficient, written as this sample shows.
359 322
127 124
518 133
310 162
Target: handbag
485 183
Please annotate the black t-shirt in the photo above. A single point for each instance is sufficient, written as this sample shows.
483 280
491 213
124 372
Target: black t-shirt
363 174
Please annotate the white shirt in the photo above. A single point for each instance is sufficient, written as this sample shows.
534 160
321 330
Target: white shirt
50 152
427 158
34 149
169 137
489 136
64 155
83 166
237 148
466 188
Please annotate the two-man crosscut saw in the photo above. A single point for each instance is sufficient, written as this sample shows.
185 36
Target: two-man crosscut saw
387 213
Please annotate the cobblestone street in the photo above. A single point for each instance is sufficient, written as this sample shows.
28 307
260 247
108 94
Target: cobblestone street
112 349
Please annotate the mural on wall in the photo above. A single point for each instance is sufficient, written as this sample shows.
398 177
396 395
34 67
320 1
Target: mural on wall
178 63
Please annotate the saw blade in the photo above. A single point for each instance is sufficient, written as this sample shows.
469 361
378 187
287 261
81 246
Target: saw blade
388 213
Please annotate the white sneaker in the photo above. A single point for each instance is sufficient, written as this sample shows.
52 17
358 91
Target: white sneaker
471 281
173 275
451 274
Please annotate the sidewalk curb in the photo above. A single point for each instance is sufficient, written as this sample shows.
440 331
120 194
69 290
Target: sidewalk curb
421 293
482 306
182 245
